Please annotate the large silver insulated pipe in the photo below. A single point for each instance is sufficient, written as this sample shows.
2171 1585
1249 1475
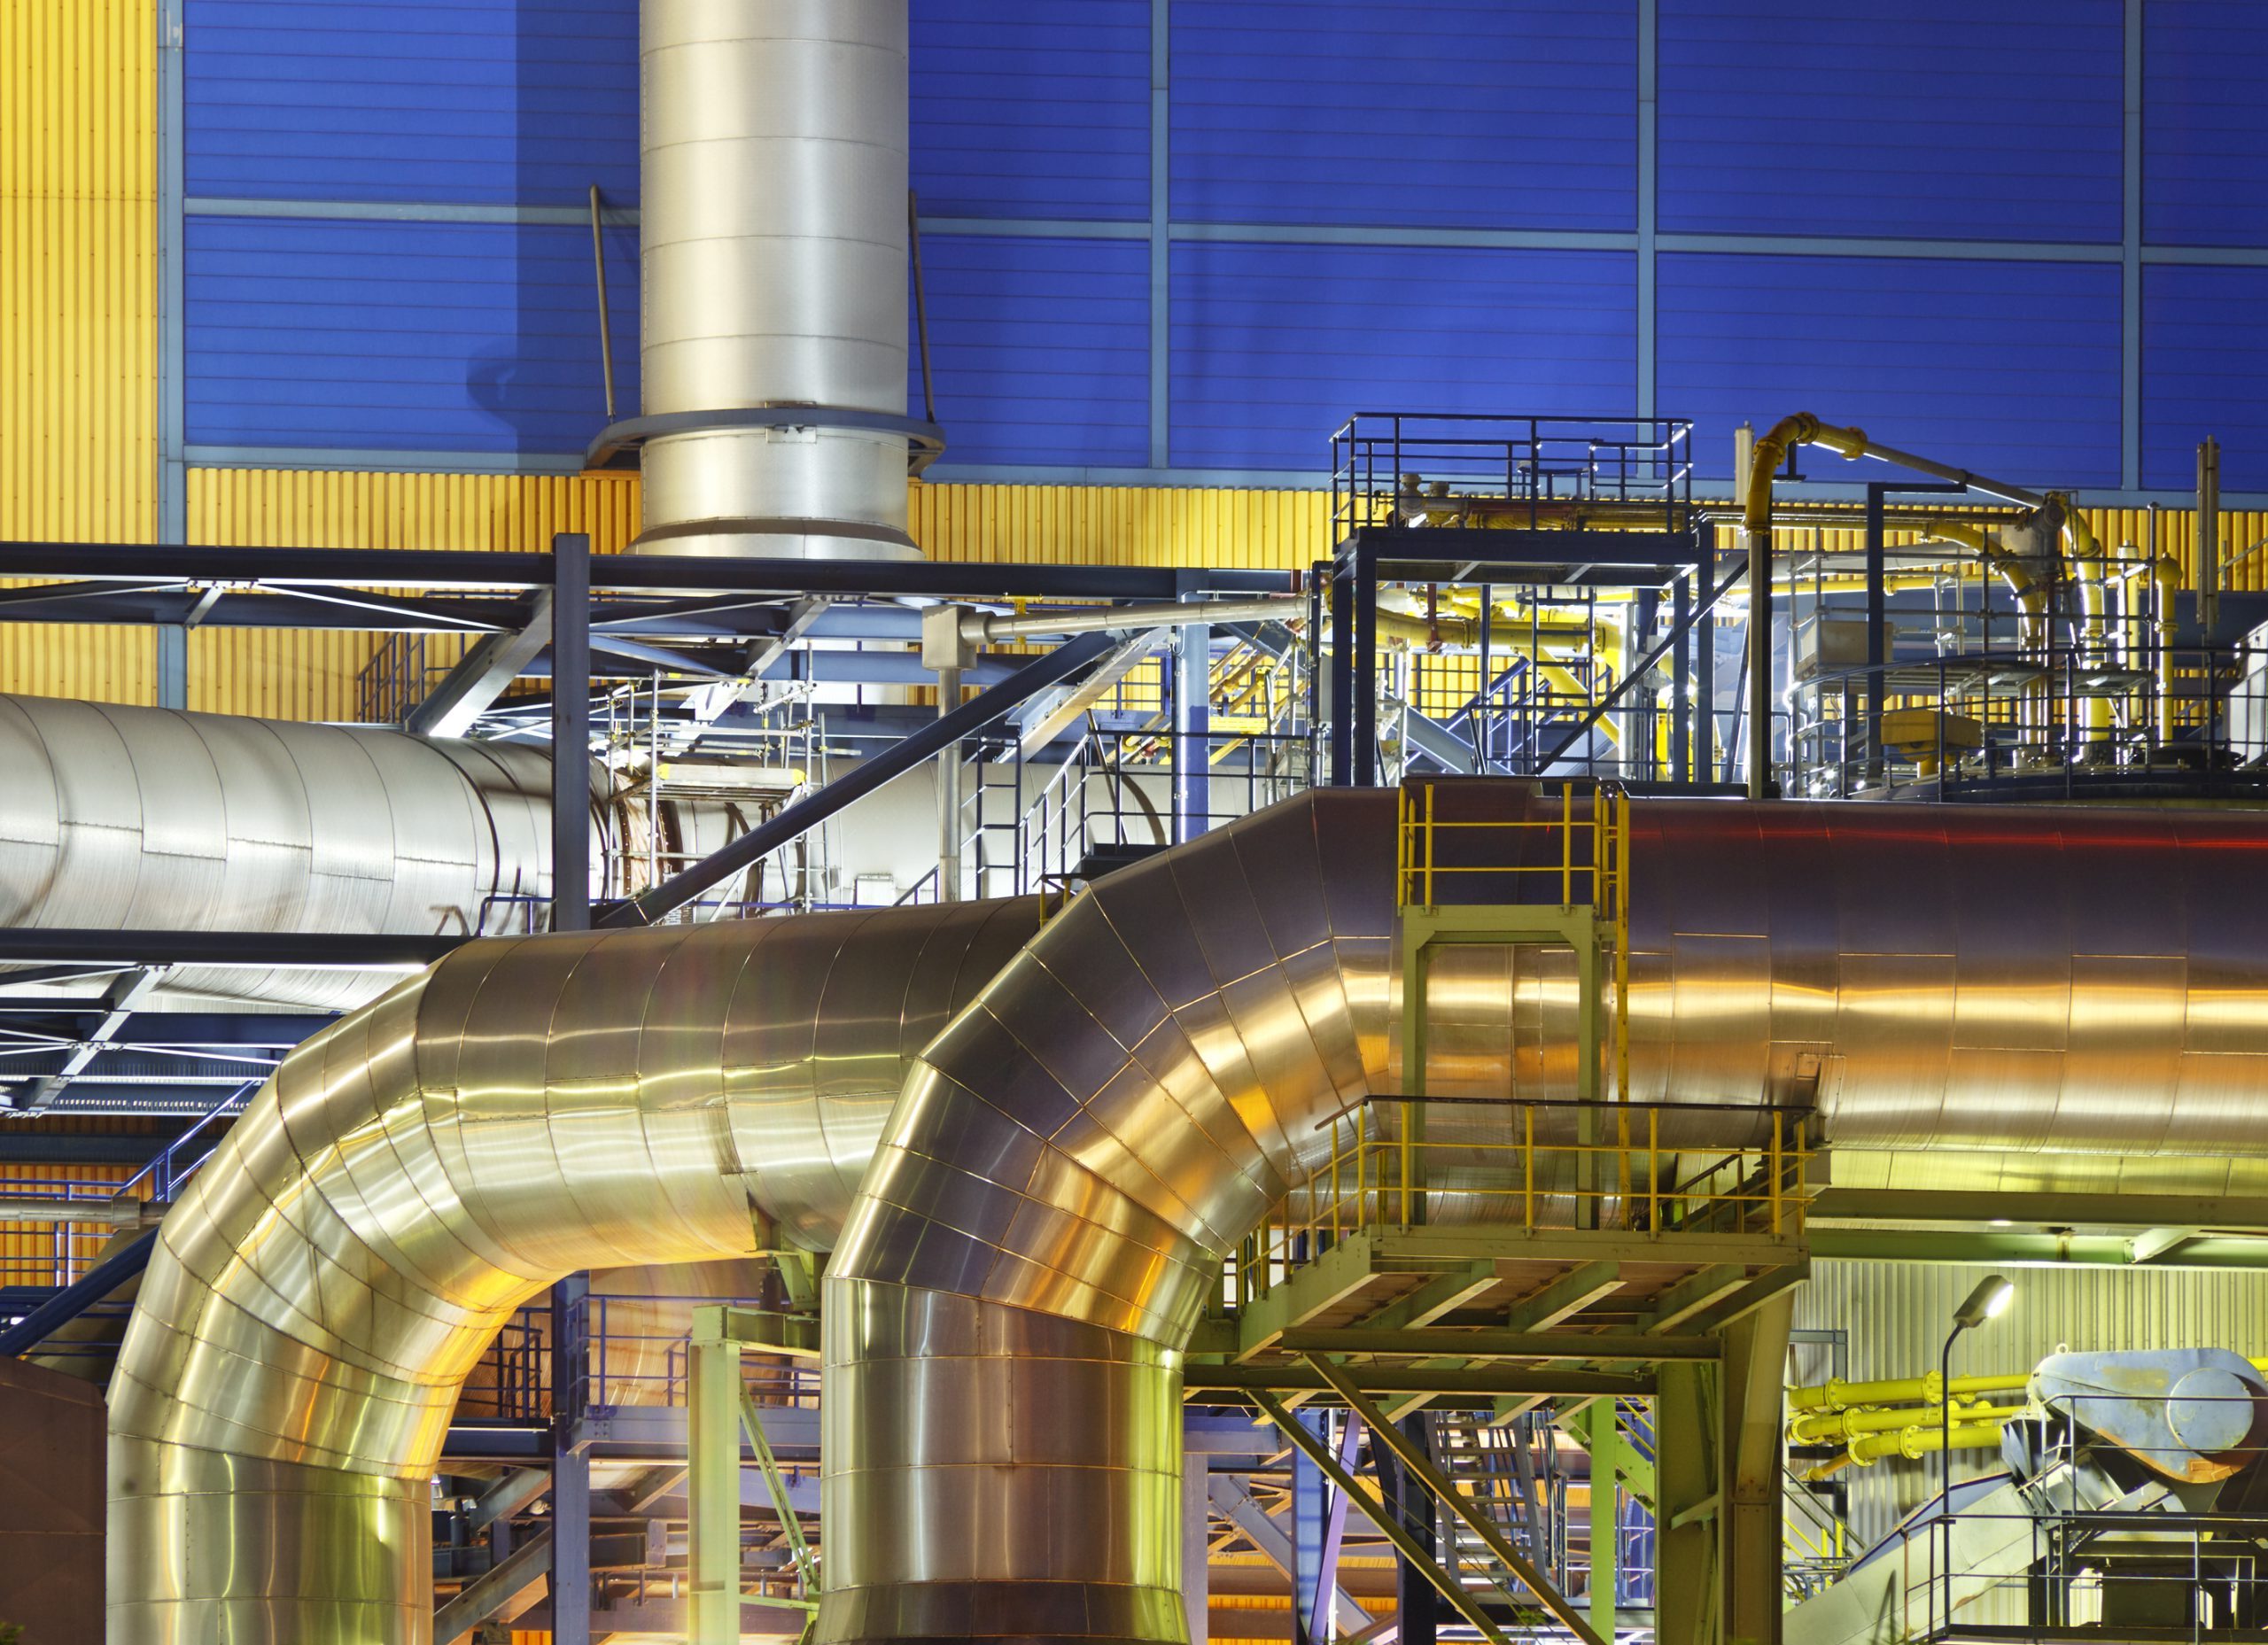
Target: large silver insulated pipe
134 818
772 232
1075 1157
418 1170
1068 1156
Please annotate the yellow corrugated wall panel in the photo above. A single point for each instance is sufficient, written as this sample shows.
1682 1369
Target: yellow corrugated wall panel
313 675
27 1250
77 312
326 508
290 674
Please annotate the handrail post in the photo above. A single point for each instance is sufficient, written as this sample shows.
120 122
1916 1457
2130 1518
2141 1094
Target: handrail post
1775 1171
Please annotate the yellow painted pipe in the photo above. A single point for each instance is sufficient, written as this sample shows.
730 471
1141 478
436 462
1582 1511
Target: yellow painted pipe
1920 1441
1834 1427
1838 1395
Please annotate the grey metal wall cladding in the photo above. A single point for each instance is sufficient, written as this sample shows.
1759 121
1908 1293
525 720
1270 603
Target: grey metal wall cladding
1893 1317
1077 1129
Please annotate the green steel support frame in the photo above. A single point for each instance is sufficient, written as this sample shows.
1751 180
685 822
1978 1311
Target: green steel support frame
719 1410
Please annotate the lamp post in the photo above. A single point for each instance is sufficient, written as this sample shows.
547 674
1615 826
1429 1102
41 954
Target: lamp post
1989 1300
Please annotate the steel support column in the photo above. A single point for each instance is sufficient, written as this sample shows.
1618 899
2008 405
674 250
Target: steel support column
1417 1606
1196 1543
713 1489
1877 614
1606 1445
1755 1375
570 732
1192 739
1310 1510
1342 675
571 1465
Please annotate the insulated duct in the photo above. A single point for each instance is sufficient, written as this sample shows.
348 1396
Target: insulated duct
134 818
1066 1160
416 1171
772 255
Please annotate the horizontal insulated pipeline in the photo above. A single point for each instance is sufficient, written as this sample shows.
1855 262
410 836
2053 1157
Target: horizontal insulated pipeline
135 818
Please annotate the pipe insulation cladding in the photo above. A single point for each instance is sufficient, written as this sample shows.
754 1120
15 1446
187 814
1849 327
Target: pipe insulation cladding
1056 1140
134 818
772 260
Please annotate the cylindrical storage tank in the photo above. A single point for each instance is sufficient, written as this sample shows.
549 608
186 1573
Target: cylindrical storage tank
773 275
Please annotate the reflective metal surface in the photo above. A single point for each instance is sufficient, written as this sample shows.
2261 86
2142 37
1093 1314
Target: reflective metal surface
1066 1161
772 229
1075 1156
416 1172
134 818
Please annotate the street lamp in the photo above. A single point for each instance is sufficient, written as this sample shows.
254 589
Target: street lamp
1988 1301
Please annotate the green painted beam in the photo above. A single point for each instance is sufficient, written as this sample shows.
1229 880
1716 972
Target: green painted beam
2038 1210
1636 1472
1437 1248
2007 1246
1487 1342
1330 1279
1564 1297
1695 1295
1444 1294
1446 1384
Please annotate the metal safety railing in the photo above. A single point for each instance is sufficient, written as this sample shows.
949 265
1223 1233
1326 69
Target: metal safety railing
1516 1167
1592 854
1586 858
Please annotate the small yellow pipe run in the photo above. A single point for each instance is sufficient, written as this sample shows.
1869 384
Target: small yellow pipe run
1921 1440
1833 1427
1838 1395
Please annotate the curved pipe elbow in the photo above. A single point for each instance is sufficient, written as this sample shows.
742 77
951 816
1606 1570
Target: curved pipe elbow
418 1170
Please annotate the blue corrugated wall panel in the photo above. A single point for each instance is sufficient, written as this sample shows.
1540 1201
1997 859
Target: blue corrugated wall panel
2008 369
404 337
2205 142
2204 371
1273 345
1519 114
490 101
1030 108
1964 118
1040 348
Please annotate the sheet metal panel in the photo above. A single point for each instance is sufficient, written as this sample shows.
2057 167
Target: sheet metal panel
2013 365
78 319
1273 345
1040 349
1026 108
2204 171
493 101
1520 114
2204 357
396 336
1960 119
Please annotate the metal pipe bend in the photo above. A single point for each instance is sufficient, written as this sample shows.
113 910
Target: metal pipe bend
418 1170
1054 1143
